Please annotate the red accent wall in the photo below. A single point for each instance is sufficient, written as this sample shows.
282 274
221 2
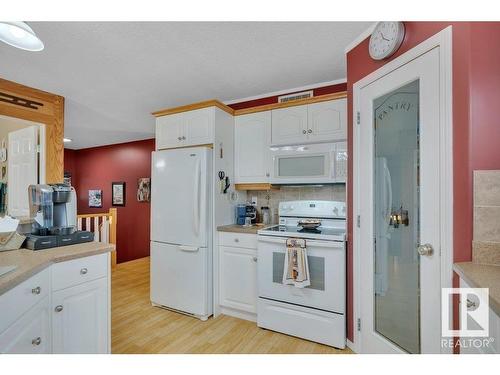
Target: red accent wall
476 133
96 168
274 99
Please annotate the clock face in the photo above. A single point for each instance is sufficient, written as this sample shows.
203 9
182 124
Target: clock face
386 39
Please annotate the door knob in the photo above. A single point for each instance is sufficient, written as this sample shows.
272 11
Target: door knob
310 131
425 249
58 308
37 341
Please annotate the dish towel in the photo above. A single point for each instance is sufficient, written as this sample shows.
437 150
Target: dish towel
296 269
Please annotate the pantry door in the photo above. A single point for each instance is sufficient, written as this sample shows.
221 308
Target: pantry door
398 183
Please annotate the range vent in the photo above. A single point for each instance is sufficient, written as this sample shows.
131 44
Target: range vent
295 96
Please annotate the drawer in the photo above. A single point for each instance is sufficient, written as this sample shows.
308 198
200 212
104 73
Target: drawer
21 298
30 334
77 271
245 240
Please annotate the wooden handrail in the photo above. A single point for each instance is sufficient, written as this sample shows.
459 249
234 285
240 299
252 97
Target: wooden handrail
112 217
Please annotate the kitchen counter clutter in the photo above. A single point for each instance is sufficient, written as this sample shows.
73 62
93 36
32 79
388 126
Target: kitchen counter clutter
30 262
56 300
482 276
235 228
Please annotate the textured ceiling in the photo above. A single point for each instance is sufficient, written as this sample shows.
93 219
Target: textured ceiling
114 74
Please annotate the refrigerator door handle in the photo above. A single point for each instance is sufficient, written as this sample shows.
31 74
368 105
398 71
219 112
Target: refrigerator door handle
190 249
196 206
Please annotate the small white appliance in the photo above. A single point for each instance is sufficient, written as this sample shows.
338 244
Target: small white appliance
181 239
321 163
317 312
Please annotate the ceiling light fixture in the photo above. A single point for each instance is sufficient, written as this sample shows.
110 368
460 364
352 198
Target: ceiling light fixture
67 140
20 35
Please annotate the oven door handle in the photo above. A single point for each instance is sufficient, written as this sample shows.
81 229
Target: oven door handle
309 243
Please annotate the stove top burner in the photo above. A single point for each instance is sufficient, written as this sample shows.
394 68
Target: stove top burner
309 230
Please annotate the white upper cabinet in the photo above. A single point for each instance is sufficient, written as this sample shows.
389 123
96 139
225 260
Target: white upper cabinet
289 125
168 131
199 126
327 121
185 129
252 141
311 123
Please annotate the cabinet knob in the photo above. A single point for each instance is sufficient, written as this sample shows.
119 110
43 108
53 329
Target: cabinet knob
254 259
37 341
179 138
236 240
310 131
84 271
183 138
36 290
267 174
304 131
58 308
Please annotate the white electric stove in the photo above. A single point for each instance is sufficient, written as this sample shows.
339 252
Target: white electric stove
317 312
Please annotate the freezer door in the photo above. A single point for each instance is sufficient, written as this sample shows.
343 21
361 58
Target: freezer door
179 192
180 278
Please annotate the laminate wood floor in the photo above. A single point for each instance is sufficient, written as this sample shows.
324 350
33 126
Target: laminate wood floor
137 327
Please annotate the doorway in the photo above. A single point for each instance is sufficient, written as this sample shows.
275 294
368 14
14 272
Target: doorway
22 153
402 200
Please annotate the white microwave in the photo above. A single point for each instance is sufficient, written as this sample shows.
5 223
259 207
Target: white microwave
323 163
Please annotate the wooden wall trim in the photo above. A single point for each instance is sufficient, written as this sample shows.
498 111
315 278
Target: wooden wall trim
51 114
268 107
192 107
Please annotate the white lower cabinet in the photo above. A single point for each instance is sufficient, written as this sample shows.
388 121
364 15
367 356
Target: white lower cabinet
63 309
238 275
80 318
31 333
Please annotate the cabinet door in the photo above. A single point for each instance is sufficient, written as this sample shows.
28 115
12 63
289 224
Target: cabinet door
289 125
30 334
252 140
168 131
80 318
199 126
238 278
327 121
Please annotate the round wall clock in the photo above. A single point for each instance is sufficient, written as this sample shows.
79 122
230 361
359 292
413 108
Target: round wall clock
386 39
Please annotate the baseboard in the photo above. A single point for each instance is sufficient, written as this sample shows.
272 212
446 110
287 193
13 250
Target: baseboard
238 314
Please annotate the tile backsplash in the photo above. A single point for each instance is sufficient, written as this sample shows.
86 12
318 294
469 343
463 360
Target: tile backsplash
486 230
271 198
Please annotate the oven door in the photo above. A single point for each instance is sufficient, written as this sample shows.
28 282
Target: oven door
326 261
303 164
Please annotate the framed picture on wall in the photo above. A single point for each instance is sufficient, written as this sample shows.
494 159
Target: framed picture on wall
118 193
143 189
95 198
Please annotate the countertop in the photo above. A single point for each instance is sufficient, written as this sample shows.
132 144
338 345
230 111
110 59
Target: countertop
31 262
235 228
482 276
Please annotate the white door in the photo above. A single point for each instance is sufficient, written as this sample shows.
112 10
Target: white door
180 278
399 208
179 211
238 278
169 131
30 334
289 125
80 318
22 169
199 126
252 155
327 121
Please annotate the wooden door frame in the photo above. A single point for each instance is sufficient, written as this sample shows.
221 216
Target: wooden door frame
42 107
443 40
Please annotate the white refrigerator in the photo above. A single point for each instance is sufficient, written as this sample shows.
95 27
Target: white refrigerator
181 240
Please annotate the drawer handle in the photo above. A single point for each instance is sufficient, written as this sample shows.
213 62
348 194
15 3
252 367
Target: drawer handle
36 341
236 240
66 239
58 308
84 271
36 290
254 259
